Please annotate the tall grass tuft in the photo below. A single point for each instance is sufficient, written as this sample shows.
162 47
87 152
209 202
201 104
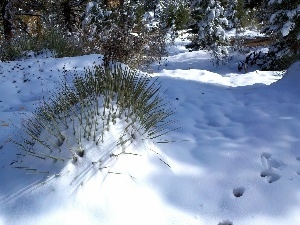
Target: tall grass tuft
77 120
53 40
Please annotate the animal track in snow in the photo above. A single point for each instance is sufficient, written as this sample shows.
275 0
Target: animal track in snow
271 176
269 165
238 192
298 172
225 222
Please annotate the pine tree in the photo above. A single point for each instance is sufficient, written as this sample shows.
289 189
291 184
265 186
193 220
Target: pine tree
8 13
121 34
210 25
173 14
211 22
282 23
245 15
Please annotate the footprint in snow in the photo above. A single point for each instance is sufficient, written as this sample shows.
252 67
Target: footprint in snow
225 222
269 166
238 192
271 176
298 172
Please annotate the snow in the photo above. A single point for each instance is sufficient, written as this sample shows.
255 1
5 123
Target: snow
272 2
235 158
285 30
211 16
89 6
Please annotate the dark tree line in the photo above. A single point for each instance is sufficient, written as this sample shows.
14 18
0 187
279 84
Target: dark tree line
66 13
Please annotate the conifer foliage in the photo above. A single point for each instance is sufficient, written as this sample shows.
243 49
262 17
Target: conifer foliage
135 32
121 33
210 23
282 23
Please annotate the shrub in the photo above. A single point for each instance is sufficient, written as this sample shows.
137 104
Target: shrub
53 39
174 15
121 34
95 119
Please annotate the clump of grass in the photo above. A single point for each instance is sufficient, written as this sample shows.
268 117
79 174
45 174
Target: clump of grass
52 39
78 119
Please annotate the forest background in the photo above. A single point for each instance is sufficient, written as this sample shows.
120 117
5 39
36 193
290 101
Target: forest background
137 32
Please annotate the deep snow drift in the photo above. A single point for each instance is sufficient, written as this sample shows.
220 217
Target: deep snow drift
235 160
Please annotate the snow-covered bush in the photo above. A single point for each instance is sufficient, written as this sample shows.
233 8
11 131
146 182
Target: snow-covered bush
210 24
121 33
94 119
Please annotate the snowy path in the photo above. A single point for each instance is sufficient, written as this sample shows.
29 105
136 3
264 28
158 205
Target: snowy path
241 140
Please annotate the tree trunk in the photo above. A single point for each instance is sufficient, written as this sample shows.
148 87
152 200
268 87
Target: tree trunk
6 16
68 15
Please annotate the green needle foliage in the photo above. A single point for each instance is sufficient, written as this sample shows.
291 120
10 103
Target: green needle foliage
84 111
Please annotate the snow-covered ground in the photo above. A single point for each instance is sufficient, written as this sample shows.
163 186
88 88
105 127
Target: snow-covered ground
234 160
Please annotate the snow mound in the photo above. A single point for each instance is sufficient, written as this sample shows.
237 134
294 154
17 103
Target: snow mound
291 80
